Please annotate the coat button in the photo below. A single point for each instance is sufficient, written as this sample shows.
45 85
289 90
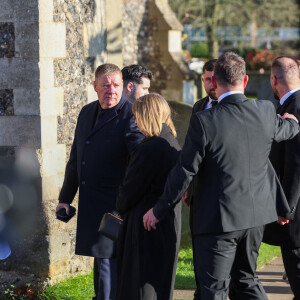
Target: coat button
83 163
87 142
82 182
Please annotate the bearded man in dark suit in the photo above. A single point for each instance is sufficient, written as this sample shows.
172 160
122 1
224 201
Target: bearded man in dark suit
285 157
104 137
205 103
235 189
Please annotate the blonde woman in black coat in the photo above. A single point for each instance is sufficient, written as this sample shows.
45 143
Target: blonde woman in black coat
146 259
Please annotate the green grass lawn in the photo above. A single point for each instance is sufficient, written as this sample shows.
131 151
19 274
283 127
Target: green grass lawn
81 287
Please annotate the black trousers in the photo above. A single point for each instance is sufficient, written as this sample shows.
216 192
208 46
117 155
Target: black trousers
225 257
291 261
105 278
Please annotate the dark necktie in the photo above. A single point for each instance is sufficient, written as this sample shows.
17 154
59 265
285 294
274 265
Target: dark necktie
214 103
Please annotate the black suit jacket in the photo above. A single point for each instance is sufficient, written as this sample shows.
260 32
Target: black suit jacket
285 157
227 149
200 105
97 165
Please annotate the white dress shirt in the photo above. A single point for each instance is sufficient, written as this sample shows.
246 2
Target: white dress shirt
288 94
228 93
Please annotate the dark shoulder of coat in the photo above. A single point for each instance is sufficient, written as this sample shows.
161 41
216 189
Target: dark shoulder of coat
200 105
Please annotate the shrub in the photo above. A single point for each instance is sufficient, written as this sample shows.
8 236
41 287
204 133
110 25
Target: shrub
199 49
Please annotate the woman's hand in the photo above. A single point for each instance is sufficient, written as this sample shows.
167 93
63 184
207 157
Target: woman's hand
150 220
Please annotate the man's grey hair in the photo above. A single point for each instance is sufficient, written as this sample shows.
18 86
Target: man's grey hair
107 69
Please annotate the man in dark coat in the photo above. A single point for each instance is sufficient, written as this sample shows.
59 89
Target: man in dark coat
285 157
205 103
136 82
226 150
105 135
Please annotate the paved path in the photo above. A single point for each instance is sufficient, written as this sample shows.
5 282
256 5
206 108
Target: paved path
271 278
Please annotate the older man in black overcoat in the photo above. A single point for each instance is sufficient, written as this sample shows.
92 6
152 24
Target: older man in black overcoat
104 137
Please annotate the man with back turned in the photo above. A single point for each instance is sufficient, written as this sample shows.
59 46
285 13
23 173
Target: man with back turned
285 158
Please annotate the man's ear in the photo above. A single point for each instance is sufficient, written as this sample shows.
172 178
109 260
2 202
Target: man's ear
130 87
274 80
94 85
246 79
214 82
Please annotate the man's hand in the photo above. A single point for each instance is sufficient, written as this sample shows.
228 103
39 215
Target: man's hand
149 220
289 116
63 205
185 199
283 221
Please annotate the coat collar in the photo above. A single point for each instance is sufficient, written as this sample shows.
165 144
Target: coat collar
108 116
288 101
234 98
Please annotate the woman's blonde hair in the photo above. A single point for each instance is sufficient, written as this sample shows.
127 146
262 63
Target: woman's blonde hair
151 111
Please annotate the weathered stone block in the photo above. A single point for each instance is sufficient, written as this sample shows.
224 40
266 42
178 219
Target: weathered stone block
27 102
6 102
114 32
51 101
46 73
48 131
26 10
45 11
53 161
19 73
91 94
52 40
7 11
59 246
27 40
20 130
59 100
174 41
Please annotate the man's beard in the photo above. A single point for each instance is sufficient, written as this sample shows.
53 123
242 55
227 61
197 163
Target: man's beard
212 95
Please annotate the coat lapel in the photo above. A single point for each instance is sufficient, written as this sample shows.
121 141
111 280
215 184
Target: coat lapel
108 116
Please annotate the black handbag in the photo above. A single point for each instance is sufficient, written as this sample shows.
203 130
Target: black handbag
110 225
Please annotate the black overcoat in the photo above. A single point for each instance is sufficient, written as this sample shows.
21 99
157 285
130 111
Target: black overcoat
97 165
285 157
146 258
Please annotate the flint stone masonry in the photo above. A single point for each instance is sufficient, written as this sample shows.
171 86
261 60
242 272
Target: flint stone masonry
6 102
7 40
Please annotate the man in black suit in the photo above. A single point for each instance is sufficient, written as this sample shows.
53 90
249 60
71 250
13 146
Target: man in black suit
104 137
136 82
205 103
226 150
285 157
211 99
